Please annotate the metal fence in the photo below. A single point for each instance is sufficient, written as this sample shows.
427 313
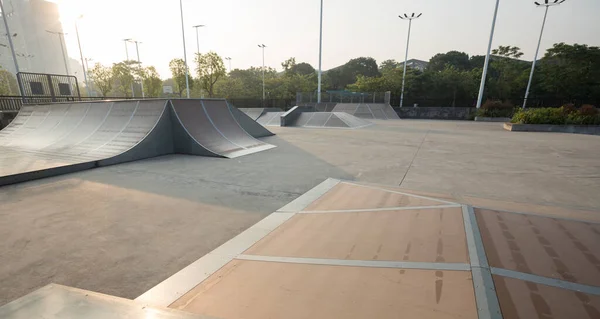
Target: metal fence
55 87
343 97
253 103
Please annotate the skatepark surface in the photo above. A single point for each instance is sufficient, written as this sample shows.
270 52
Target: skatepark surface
123 229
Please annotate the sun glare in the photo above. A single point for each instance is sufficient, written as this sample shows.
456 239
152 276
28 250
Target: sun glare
70 10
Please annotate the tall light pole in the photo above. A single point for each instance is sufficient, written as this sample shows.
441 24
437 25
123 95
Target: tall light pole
137 50
62 47
88 68
229 59
87 87
197 41
320 54
546 4
187 80
127 59
12 47
487 57
263 69
409 18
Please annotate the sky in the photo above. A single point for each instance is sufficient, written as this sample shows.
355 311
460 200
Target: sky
290 28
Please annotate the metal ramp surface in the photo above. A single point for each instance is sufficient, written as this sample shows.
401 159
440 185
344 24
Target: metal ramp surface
54 139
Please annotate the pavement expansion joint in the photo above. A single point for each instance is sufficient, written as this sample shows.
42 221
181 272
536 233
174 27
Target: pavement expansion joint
553 282
486 297
385 209
359 263
400 193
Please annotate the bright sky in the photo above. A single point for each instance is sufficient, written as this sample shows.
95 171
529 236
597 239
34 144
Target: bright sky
290 28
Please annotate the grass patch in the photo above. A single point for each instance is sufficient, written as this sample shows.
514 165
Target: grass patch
565 115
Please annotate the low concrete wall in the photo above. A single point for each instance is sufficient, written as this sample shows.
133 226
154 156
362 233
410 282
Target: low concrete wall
575 129
436 113
491 119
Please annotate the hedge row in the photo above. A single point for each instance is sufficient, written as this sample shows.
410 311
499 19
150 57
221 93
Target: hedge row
568 114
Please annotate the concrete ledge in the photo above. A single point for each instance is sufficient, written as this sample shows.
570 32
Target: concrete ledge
575 129
491 119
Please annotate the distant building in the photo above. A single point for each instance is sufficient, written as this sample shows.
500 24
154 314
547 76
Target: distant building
36 49
415 64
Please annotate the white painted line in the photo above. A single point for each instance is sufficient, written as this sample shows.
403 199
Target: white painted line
359 263
186 279
401 193
307 198
488 306
592 290
385 209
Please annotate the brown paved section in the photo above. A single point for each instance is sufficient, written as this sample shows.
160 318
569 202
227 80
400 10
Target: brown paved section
427 235
550 211
542 246
523 300
250 289
349 196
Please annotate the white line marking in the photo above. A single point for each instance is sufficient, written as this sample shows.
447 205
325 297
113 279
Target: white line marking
358 263
401 193
384 209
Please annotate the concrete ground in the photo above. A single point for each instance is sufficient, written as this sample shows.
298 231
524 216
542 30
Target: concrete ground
121 230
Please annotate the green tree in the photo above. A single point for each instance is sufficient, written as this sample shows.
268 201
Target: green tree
8 83
152 82
209 68
102 76
569 72
124 74
388 65
456 59
507 74
178 70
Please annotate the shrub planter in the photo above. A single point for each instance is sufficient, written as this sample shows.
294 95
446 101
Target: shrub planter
576 129
491 119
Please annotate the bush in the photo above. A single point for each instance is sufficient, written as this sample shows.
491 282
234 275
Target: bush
494 108
565 115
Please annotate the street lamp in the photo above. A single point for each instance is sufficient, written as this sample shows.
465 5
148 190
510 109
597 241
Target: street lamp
127 59
546 4
87 87
320 54
263 69
487 57
409 18
12 47
229 59
88 68
137 50
197 41
187 80
60 38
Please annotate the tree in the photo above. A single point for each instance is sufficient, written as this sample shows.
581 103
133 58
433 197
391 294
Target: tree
388 65
178 70
303 68
347 74
210 68
123 74
8 83
458 60
508 74
570 72
152 82
102 77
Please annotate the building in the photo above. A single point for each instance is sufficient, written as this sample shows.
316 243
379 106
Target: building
415 64
37 50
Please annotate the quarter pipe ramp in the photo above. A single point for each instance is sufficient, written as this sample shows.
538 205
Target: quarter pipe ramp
47 140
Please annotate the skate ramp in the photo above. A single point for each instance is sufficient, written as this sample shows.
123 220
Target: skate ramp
270 119
249 124
54 139
376 111
212 125
327 120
